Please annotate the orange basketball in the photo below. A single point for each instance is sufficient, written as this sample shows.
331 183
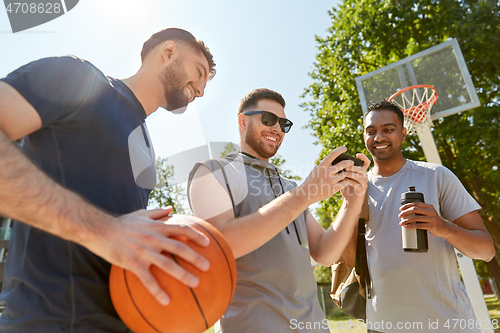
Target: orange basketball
190 309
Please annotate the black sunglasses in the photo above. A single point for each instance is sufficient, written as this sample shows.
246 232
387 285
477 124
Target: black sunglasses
270 119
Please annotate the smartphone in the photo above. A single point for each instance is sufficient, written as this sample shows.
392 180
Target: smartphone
342 157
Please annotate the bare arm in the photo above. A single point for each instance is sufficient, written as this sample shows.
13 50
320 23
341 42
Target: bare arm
467 233
248 233
132 241
328 246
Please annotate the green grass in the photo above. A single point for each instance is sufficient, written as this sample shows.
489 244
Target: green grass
338 326
343 320
337 314
339 322
344 326
494 310
347 326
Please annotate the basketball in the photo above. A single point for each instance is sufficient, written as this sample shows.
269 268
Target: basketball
190 309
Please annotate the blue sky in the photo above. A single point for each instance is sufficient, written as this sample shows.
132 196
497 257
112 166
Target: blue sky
255 44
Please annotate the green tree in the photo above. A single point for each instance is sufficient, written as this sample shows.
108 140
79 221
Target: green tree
323 274
279 161
229 148
167 193
368 34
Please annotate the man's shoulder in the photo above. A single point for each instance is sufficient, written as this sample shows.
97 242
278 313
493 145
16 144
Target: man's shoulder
72 65
59 64
222 161
415 169
424 165
61 60
53 71
429 168
223 165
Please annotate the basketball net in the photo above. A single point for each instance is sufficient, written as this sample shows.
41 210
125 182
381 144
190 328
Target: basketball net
416 103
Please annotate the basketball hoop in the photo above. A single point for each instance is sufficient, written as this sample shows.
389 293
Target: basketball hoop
416 103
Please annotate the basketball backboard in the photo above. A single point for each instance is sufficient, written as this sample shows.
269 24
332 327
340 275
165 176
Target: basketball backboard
441 66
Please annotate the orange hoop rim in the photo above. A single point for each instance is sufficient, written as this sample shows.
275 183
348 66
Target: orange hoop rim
432 100
420 113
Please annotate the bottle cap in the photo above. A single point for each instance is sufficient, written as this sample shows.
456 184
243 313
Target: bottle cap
412 195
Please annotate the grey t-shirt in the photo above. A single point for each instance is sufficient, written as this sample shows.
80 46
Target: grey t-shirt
276 291
414 292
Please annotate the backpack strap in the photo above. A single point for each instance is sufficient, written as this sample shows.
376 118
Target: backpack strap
361 260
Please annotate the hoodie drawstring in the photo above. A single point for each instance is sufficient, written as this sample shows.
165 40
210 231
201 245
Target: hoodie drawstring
282 191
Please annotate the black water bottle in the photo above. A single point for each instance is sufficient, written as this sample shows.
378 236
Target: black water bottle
414 240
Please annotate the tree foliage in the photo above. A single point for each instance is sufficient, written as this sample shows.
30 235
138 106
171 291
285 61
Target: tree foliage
167 192
323 274
368 34
279 161
229 148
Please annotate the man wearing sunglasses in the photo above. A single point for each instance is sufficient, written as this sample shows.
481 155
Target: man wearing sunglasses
270 119
265 219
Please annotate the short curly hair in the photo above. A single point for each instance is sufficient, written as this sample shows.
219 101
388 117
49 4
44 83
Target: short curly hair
384 104
176 34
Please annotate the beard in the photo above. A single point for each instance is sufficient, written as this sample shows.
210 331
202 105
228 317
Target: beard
253 139
172 79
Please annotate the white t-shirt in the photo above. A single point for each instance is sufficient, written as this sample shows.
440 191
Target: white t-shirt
416 292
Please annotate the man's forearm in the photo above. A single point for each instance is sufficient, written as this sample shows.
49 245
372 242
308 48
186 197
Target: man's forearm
247 233
338 237
28 195
475 244
349 254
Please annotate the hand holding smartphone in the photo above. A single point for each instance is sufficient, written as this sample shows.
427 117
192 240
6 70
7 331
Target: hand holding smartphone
343 156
